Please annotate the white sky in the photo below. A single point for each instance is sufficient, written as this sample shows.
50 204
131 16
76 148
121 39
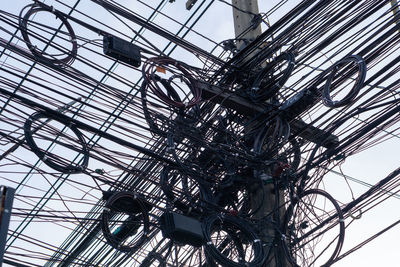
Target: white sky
369 166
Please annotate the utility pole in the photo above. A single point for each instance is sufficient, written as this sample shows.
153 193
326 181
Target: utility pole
244 19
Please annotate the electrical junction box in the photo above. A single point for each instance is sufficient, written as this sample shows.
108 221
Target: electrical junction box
122 50
182 229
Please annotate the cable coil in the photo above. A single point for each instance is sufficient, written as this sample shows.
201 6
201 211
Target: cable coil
23 26
359 82
262 89
48 158
164 89
225 233
125 221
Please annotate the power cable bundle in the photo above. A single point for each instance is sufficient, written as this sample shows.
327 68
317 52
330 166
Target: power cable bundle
270 137
56 162
271 78
177 88
125 221
313 228
235 161
184 193
358 83
24 22
230 241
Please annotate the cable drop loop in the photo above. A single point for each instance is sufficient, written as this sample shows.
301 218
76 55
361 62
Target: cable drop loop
340 68
56 162
39 54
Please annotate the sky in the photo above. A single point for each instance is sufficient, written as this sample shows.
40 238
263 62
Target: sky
368 166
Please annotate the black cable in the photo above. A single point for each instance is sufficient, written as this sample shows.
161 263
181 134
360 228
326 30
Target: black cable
54 161
23 25
125 234
302 234
268 82
183 192
358 84
231 241
176 70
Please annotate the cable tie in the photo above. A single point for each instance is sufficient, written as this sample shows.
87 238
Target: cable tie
190 210
291 63
341 220
44 158
257 240
255 88
283 237
360 61
53 10
74 40
209 243
106 209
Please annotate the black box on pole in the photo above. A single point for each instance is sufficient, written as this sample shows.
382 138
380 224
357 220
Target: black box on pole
182 229
122 50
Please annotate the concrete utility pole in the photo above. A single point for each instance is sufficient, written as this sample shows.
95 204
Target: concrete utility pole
242 22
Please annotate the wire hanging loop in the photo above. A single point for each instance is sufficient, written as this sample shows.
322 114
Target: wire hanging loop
271 79
40 54
178 88
347 72
125 221
56 162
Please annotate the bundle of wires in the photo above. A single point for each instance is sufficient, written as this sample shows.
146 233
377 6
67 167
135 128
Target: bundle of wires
40 54
164 87
56 162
